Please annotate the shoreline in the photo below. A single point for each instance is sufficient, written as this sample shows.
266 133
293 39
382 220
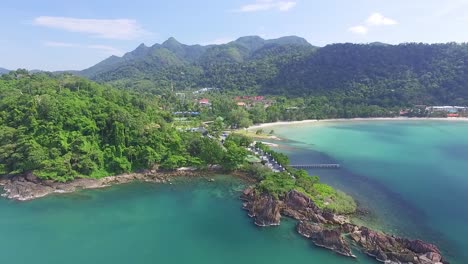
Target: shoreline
359 119
29 187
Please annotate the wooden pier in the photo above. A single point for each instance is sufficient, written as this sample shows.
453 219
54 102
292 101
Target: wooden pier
316 166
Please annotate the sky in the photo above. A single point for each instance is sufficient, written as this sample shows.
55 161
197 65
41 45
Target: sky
74 35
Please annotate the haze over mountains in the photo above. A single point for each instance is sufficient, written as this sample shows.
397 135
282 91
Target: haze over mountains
3 70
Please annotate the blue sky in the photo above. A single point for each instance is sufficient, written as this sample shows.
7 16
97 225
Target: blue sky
62 35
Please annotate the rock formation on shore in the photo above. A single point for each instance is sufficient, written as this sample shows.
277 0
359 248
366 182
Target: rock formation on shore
28 186
335 232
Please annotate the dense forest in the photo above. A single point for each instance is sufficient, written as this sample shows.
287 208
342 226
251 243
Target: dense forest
62 127
354 74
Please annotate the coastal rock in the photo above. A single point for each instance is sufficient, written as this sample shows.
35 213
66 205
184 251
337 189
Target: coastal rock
328 230
25 188
419 246
301 207
395 249
248 193
307 229
265 209
28 186
334 218
326 238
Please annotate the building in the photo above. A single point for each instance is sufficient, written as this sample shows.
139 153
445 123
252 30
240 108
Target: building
186 113
447 109
204 102
201 130
206 89
250 101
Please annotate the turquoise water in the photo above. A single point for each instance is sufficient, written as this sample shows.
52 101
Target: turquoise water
411 175
190 222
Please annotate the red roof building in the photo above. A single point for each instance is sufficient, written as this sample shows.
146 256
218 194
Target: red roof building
204 101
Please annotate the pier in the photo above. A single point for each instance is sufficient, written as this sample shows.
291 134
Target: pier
316 166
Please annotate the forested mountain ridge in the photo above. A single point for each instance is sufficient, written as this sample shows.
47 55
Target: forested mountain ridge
373 74
187 66
173 53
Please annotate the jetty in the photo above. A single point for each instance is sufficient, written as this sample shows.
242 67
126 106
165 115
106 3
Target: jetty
316 166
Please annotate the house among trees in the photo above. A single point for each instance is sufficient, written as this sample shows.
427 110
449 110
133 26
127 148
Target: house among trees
204 102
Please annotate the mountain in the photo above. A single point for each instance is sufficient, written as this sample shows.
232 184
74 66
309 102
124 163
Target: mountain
382 74
254 43
3 71
172 53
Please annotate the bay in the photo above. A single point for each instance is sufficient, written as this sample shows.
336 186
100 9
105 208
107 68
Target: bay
191 221
410 176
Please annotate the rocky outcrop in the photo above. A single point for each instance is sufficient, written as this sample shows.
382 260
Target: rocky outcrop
28 186
335 232
265 209
394 249
301 207
327 238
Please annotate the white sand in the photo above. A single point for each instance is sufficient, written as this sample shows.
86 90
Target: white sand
309 121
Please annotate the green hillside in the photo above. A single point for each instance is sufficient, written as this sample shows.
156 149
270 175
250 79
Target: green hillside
374 74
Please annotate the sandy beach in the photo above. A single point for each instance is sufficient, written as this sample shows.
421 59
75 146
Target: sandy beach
309 121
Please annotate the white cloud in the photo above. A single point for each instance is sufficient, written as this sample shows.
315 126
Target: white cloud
265 5
124 29
109 50
285 6
362 30
374 20
377 19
